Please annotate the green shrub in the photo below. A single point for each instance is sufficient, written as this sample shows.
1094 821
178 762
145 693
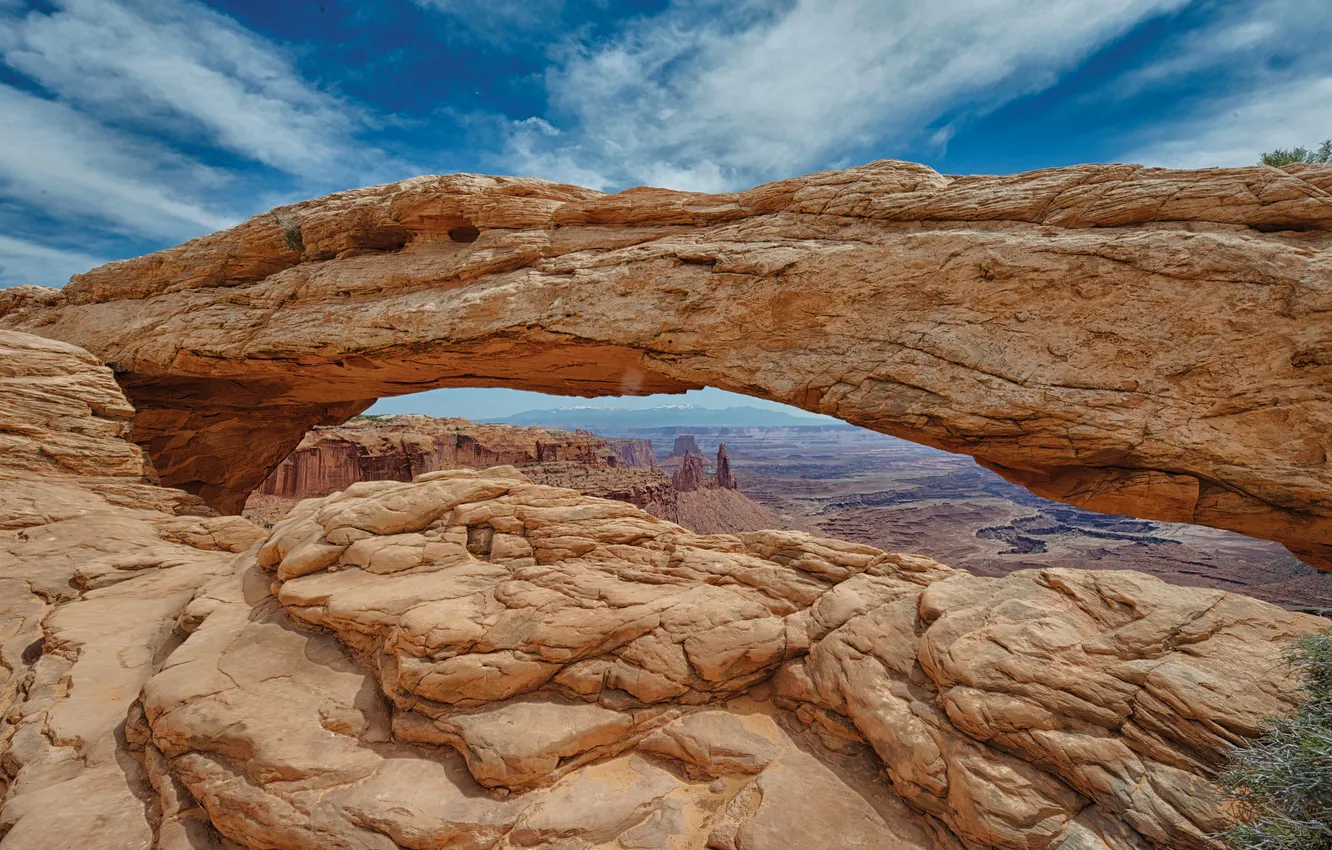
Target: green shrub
1282 781
1280 156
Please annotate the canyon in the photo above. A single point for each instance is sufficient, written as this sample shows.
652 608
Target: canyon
834 480
491 659
399 448
474 660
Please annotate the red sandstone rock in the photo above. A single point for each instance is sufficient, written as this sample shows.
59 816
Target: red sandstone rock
684 444
398 448
633 452
723 478
690 474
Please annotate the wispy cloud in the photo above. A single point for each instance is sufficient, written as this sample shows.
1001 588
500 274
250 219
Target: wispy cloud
712 95
27 262
498 21
183 68
61 163
1270 75
154 119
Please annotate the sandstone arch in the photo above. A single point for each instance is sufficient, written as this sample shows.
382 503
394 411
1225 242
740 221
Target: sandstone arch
1132 340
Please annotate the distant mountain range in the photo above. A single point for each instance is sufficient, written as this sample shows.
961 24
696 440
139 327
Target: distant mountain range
592 418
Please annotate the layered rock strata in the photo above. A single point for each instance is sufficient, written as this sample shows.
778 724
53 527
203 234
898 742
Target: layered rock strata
648 488
690 475
96 565
685 444
722 478
633 453
1124 339
476 661
399 448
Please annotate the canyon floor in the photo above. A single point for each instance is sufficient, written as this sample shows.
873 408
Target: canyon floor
853 484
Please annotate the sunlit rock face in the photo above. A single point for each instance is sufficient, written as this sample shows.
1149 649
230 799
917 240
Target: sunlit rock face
1140 341
472 660
535 667
96 565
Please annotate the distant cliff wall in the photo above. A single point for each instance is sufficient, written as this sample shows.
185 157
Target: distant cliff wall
398 448
633 452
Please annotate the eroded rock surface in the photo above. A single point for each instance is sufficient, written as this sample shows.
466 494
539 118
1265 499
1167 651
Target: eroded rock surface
399 448
474 661
595 667
1130 340
96 564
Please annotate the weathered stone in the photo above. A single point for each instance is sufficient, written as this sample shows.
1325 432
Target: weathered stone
1132 340
96 565
474 661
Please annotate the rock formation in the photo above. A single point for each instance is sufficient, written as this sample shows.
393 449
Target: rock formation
685 444
96 565
648 488
634 453
723 478
1131 340
398 448
690 475
712 510
472 660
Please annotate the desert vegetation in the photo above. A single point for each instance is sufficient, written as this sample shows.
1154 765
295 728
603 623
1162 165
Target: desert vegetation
1283 156
1282 782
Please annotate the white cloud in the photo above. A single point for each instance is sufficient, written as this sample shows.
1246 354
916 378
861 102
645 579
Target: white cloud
1278 92
173 64
1236 130
27 262
156 119
62 164
712 95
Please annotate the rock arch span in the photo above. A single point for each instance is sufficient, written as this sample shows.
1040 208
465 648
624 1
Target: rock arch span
1124 339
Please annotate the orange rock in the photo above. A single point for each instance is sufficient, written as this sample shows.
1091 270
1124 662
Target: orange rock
1141 340
473 660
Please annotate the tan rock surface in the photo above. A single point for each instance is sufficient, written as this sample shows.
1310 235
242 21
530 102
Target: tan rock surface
96 564
474 661
546 636
1132 340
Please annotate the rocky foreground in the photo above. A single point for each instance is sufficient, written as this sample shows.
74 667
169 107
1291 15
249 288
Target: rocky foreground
471 660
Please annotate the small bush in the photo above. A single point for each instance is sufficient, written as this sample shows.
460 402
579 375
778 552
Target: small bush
1282 782
1280 156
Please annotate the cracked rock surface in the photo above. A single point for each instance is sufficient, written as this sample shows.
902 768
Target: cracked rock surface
473 661
96 565
1130 340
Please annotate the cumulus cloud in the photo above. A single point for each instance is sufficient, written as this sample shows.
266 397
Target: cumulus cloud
712 96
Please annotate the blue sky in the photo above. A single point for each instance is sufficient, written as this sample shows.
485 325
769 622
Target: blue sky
131 125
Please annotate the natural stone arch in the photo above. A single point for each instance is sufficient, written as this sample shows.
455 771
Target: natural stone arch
1131 340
